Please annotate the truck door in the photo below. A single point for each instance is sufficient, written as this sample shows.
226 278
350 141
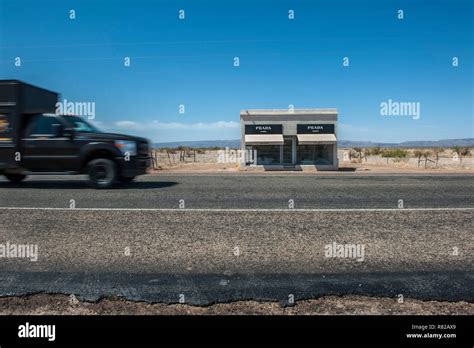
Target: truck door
43 149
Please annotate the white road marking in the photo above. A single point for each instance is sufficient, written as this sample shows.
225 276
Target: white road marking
242 209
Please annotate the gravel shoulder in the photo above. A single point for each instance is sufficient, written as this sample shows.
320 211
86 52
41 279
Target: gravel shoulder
43 304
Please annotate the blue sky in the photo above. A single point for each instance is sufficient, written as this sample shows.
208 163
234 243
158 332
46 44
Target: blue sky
282 62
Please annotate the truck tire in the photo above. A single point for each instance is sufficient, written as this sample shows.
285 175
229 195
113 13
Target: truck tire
15 178
102 173
126 179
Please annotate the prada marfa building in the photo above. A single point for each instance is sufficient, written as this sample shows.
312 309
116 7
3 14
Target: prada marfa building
290 139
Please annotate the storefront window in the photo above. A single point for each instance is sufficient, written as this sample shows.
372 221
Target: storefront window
267 154
315 154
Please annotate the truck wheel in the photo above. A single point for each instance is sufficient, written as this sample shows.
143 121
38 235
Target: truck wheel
102 173
126 179
15 178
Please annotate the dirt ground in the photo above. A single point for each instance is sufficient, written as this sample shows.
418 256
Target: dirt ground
343 168
198 168
43 304
378 168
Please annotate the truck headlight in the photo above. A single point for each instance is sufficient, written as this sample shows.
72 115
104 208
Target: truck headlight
126 146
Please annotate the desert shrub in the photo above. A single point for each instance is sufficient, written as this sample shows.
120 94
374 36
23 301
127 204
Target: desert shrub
357 152
418 153
374 151
464 151
461 151
397 154
394 153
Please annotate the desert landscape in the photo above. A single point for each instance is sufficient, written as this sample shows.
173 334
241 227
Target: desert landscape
372 159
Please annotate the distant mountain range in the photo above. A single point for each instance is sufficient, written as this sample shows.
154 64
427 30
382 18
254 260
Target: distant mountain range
421 143
232 144
342 143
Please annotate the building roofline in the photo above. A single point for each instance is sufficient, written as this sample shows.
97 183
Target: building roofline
272 112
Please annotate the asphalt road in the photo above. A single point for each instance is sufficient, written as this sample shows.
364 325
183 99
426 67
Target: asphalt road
248 245
247 191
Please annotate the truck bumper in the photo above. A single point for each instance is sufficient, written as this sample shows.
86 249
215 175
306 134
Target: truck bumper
136 166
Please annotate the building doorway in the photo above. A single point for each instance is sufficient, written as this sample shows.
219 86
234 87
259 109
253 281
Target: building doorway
288 151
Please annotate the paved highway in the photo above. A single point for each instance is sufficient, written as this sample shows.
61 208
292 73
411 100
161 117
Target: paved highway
247 191
237 239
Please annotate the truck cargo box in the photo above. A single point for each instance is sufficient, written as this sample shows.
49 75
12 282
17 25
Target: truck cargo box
25 98
18 100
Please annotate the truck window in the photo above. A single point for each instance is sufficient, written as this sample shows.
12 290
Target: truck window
5 130
41 126
81 125
4 124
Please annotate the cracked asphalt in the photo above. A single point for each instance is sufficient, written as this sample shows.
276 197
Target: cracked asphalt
205 257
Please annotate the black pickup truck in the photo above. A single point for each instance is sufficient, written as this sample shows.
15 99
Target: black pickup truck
35 140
